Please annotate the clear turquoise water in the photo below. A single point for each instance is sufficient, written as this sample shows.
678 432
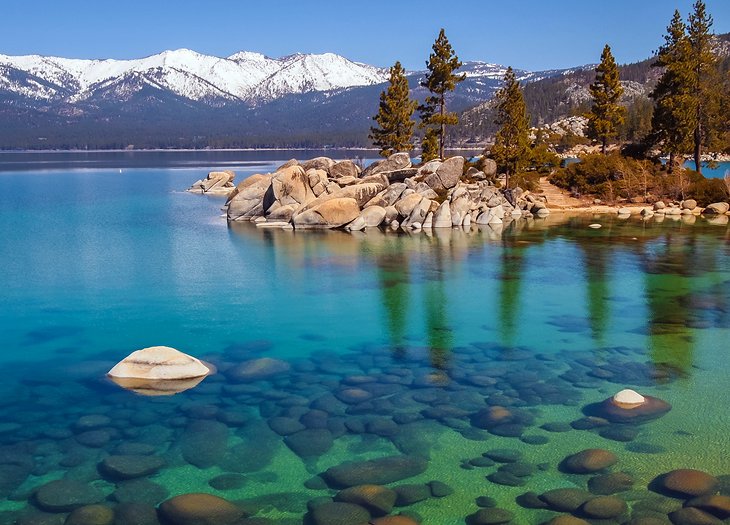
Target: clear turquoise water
544 317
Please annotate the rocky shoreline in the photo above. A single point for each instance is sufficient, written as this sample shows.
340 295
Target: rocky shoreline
390 193
322 193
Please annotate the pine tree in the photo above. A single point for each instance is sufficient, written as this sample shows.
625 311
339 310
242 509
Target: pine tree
440 80
606 115
704 81
430 145
672 121
395 127
511 148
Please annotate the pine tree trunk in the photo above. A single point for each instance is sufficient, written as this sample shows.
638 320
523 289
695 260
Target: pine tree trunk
671 163
603 145
698 148
443 129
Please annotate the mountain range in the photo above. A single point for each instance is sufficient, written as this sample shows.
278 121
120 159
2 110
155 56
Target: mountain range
184 99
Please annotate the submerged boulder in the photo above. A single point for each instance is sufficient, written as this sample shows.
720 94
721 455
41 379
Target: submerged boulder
199 509
379 471
627 407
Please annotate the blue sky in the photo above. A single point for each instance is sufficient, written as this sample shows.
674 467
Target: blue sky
530 34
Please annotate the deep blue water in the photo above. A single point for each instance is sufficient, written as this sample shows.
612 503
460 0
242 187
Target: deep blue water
540 317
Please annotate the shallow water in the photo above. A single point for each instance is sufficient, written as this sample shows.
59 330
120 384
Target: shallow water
394 343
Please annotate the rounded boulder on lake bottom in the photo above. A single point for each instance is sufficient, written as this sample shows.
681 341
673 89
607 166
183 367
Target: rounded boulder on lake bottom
377 499
589 461
379 471
339 513
489 516
604 507
65 495
686 482
91 515
199 509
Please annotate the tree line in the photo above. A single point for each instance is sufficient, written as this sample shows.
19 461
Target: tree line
686 110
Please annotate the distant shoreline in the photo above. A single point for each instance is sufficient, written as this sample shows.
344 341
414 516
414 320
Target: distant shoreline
183 150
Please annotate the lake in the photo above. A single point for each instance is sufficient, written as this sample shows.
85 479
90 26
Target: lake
475 359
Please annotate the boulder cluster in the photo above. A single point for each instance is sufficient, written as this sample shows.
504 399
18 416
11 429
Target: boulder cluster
390 193
216 183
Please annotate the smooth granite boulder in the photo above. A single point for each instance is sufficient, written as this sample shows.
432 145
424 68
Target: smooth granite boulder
199 509
159 362
379 471
686 483
589 461
377 499
332 213
65 495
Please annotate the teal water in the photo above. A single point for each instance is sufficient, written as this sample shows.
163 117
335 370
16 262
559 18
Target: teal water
541 317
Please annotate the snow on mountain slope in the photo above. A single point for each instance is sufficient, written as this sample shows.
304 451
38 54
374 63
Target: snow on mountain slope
244 76
303 73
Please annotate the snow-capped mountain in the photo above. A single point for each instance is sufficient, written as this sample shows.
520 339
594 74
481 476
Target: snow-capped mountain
244 77
183 98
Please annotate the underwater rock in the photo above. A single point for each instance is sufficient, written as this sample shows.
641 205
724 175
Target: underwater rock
411 493
503 455
519 469
717 505
589 461
620 433
339 513
567 519
159 362
203 443
379 471
230 481
255 369
439 489
528 500
140 491
557 427
65 495
199 509
685 482
604 507
130 466
565 500
489 516
311 442
377 499
606 484
507 479
693 516
134 513
91 515
394 520
486 502
651 408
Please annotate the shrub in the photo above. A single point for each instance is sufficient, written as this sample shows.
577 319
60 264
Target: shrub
608 176
527 180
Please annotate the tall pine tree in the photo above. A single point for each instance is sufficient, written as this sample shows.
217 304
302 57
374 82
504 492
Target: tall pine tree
606 115
672 121
511 148
440 80
704 79
395 127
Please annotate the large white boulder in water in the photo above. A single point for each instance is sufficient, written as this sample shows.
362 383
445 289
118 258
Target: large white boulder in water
628 398
159 363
